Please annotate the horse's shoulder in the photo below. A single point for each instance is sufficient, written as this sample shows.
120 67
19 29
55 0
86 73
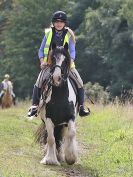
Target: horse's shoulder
74 85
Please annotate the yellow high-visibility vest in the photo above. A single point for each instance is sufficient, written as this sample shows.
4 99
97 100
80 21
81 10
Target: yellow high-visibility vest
48 35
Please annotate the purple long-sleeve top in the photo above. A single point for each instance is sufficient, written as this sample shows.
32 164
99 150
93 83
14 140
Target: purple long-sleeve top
71 46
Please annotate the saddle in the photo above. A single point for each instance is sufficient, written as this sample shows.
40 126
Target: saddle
75 87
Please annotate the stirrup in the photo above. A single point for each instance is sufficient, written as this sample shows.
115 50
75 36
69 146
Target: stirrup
83 112
33 111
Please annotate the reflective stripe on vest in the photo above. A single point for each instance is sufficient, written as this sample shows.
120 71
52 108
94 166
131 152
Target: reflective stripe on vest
47 45
48 41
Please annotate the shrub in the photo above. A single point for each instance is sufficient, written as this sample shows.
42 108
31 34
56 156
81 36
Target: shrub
96 93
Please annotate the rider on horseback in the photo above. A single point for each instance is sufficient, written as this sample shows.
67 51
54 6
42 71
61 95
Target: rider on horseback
58 34
4 85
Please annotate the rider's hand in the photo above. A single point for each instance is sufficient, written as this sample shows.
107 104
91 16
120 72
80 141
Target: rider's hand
71 62
42 64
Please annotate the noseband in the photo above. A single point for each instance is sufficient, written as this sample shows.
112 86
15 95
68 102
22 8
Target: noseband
63 75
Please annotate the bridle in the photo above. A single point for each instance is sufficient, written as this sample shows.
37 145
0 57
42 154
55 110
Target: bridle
64 75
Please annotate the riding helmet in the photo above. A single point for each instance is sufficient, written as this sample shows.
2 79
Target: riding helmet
6 76
59 15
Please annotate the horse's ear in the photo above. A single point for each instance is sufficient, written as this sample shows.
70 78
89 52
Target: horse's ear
66 46
53 46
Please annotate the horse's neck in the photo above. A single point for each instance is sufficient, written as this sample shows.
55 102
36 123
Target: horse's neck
8 90
61 92
65 91
8 87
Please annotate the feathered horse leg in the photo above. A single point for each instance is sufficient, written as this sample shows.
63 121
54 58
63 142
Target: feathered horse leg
70 145
50 157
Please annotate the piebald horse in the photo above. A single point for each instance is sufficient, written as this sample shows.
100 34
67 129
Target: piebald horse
60 111
7 100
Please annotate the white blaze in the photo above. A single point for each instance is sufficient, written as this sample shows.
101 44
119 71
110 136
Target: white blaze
57 71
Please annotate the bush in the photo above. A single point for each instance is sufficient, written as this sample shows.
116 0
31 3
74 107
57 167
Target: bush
96 93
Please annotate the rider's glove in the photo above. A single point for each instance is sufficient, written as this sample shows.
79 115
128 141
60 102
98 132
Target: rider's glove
42 64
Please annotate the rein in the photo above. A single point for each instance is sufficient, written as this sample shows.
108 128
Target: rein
56 66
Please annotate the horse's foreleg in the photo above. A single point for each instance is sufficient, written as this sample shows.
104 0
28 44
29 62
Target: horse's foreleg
70 143
60 154
50 157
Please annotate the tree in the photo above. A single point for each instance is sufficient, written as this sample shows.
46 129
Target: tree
5 7
23 37
107 32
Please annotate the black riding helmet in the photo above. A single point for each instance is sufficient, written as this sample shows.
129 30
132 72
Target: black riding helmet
59 15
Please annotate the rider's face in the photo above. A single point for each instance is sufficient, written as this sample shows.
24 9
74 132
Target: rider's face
59 25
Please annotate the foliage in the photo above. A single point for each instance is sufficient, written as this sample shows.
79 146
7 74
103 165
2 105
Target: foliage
22 40
96 93
5 8
104 31
107 32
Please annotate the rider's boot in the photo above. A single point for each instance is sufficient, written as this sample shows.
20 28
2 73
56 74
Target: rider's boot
35 101
82 111
14 100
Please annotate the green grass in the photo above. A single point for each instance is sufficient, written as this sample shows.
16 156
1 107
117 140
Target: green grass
108 139
105 141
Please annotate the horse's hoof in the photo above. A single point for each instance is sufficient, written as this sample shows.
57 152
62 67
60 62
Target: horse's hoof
49 162
61 158
70 161
43 161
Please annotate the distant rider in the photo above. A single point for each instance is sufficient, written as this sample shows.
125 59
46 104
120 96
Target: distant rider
4 85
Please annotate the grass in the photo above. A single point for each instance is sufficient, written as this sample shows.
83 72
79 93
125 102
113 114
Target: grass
105 141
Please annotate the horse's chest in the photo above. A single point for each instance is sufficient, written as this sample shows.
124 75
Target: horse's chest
59 108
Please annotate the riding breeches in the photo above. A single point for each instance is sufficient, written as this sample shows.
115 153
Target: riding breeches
76 77
45 73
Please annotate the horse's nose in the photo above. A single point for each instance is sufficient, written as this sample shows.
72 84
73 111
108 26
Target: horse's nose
57 80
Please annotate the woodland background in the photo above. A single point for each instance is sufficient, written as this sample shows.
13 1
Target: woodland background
104 32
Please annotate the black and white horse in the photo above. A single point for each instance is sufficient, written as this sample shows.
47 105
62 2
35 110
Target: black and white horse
60 111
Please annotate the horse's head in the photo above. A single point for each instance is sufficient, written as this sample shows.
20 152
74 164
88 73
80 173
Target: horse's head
60 59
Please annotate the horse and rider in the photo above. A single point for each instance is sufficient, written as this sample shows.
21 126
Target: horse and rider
60 87
5 85
59 34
